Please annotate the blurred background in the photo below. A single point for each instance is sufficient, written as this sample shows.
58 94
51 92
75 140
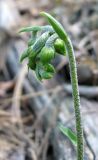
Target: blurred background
30 110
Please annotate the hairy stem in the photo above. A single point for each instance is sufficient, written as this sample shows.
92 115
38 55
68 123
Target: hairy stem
76 98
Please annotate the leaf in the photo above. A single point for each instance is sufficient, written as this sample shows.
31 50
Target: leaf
37 71
24 55
33 38
46 28
39 43
31 42
50 41
56 25
71 135
29 29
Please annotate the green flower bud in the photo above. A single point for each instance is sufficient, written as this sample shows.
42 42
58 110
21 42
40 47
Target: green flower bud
47 54
49 68
59 46
32 64
44 71
32 59
32 54
46 75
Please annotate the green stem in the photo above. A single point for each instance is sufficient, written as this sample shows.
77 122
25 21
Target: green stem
76 98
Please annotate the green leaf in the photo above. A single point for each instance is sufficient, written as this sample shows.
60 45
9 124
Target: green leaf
24 55
71 135
46 28
39 43
50 41
29 29
56 25
31 42
37 71
33 38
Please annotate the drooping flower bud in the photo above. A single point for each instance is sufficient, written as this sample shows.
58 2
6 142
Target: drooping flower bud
44 71
49 68
32 59
32 64
59 46
47 54
46 75
31 53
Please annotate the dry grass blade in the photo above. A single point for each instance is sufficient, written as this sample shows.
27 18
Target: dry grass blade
31 95
16 115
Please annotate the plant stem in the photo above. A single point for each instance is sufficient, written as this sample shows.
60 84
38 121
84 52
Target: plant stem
76 98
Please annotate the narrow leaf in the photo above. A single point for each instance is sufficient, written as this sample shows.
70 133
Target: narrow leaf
71 135
40 42
56 25
46 28
29 29
37 71
23 56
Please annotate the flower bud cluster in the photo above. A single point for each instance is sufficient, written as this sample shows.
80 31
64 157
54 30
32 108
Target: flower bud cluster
42 49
